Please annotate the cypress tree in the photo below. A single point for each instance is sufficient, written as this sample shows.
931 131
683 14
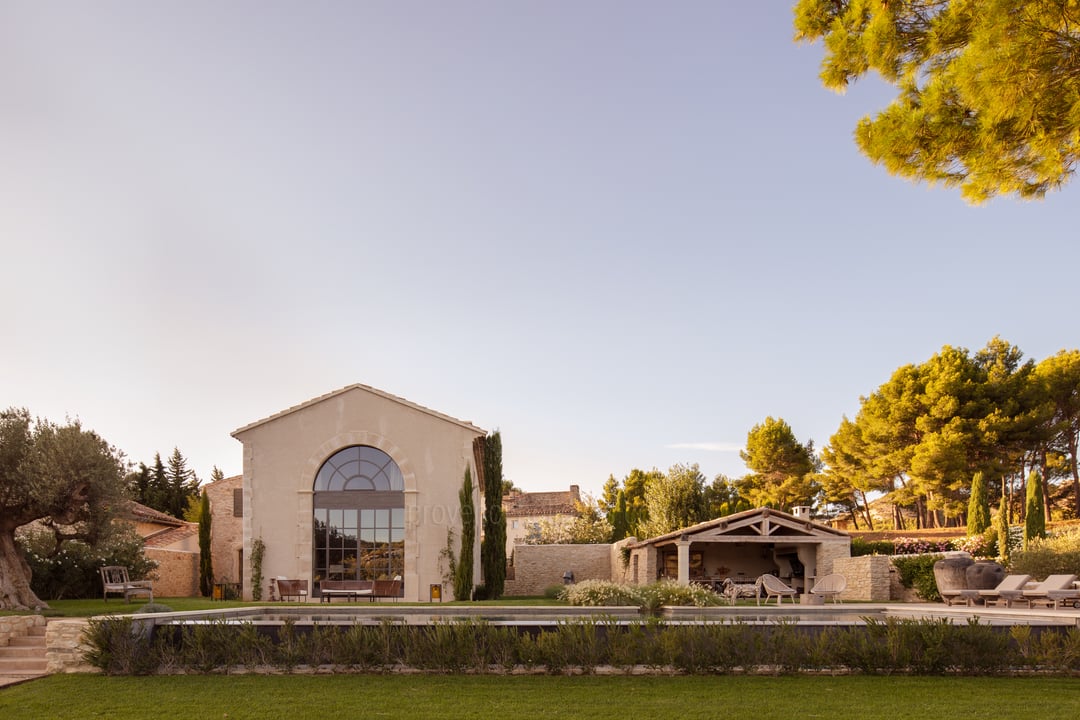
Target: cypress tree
493 546
620 526
978 518
1003 532
206 565
463 573
1034 517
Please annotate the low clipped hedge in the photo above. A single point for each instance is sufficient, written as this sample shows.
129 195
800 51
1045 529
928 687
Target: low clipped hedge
128 646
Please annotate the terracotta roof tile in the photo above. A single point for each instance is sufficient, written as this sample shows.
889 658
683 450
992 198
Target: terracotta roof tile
562 502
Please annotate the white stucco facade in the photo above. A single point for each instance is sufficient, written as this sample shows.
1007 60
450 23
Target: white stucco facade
283 454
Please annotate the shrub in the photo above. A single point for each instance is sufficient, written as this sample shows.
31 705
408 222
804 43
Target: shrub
919 546
1057 554
917 572
553 592
601 592
74 571
668 592
124 646
861 547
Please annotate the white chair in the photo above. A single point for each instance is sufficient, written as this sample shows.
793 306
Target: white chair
830 586
775 587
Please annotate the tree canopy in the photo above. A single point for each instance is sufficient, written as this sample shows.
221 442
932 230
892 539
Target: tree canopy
989 90
781 468
925 433
66 478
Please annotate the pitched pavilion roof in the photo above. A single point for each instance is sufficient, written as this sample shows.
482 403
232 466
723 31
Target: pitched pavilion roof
758 525
366 388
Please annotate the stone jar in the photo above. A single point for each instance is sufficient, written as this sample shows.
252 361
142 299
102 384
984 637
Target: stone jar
984 575
951 572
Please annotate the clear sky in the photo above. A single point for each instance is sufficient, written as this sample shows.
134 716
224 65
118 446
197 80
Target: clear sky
620 232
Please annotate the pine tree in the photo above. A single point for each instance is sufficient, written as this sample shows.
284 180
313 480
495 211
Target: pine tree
181 484
206 565
463 572
978 506
1034 519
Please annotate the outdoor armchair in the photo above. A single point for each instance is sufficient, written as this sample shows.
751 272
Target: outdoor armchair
830 586
775 587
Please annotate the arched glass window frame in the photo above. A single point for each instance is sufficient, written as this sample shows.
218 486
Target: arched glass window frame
370 492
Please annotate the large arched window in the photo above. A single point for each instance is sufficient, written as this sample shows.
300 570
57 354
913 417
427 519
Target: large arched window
359 524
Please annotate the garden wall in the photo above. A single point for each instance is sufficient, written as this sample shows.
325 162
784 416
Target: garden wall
536 567
65 646
177 573
869 577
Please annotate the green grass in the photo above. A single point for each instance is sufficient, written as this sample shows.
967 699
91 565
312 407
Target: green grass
116 606
73 697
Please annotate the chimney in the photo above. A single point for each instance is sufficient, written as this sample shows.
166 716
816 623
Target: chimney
801 511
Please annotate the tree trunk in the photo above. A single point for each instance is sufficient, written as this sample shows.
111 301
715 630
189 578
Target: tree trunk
15 592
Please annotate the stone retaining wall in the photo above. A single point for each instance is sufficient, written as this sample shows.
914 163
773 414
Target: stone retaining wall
12 626
65 647
536 567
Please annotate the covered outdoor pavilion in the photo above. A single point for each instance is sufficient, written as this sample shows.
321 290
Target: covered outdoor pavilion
742 547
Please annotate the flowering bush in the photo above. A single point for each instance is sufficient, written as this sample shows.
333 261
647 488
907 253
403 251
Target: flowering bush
601 592
658 594
918 546
976 546
73 572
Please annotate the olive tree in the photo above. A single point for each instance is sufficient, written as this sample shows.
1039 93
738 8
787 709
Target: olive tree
65 478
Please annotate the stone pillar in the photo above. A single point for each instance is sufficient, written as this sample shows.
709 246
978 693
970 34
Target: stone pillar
65 647
684 560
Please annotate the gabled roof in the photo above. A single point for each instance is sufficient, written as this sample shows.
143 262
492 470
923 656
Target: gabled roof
366 388
143 513
171 536
759 525
536 504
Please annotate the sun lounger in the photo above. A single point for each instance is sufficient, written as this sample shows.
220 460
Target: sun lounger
1039 593
1006 592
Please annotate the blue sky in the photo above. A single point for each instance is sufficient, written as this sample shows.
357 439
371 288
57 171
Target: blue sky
622 233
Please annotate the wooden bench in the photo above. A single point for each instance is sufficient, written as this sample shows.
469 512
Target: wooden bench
115 581
356 589
348 589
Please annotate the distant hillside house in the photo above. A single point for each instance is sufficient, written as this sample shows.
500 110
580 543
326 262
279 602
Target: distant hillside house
355 484
525 512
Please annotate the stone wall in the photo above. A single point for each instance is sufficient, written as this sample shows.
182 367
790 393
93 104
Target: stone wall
177 574
869 577
828 553
536 567
65 647
17 626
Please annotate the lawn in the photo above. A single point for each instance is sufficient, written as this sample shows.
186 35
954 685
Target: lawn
327 697
97 606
